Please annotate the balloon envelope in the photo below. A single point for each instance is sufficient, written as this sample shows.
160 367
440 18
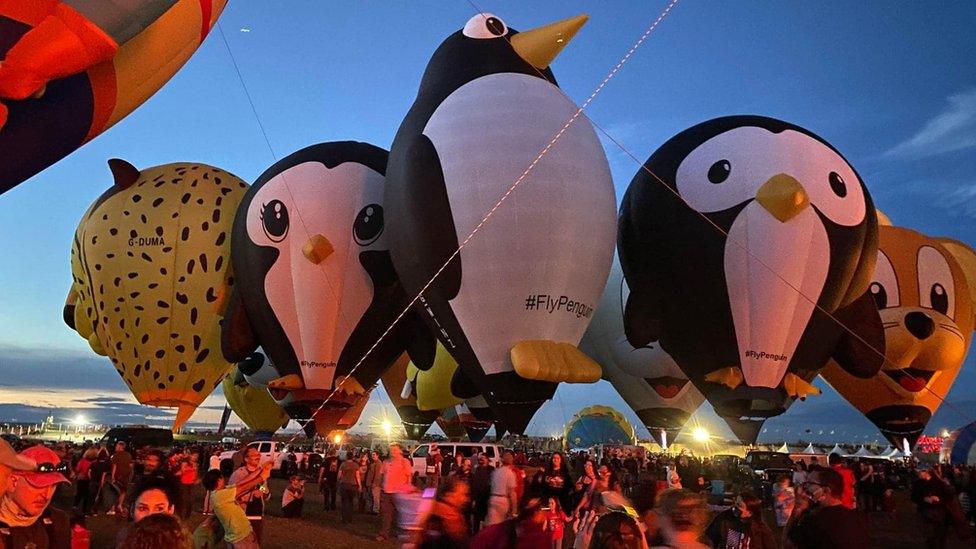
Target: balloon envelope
151 267
254 406
415 422
648 379
76 109
598 425
925 289
721 231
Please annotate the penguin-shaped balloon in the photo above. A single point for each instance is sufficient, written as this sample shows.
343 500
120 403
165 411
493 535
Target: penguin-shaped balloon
511 305
316 286
647 378
723 229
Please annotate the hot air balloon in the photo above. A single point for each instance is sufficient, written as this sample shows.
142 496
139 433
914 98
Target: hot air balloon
513 303
73 69
151 266
648 379
431 386
720 232
598 425
253 405
415 422
925 290
315 285
450 423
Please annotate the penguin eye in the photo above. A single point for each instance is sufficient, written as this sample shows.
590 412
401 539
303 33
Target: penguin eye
884 284
935 282
368 225
485 26
274 218
719 171
879 294
837 184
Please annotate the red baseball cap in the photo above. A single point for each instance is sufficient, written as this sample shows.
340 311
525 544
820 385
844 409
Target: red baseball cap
47 459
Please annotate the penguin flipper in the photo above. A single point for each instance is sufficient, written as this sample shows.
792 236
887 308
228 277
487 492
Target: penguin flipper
797 387
553 361
642 317
237 339
860 350
434 239
731 377
422 345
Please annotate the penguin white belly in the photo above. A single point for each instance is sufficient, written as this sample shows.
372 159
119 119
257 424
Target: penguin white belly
536 270
768 313
318 306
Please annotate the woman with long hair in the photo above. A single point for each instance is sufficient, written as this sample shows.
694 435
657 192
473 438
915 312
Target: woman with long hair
742 525
553 481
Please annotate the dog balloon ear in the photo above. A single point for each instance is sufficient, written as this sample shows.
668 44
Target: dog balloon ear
965 256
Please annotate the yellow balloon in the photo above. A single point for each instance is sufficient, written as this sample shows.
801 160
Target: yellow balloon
151 268
253 405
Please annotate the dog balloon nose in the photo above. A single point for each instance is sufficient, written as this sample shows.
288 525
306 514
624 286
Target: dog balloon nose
919 324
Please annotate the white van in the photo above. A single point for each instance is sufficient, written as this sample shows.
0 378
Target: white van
467 449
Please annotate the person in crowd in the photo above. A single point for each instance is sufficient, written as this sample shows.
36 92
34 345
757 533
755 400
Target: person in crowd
784 497
820 518
616 529
99 473
526 530
864 473
253 498
374 482
237 527
188 480
932 496
742 526
362 497
480 491
503 503
681 518
446 526
156 532
350 483
836 462
152 467
583 483
83 495
800 473
329 480
464 471
455 464
554 481
119 476
594 497
556 520
293 498
26 516
397 473
434 463
151 496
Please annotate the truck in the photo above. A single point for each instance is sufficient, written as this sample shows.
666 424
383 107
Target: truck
272 451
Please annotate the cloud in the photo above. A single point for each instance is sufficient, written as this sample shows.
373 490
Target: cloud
953 129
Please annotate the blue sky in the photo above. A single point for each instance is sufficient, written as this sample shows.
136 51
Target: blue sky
886 82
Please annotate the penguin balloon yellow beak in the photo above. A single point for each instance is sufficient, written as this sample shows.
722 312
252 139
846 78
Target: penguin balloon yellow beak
783 197
540 46
317 248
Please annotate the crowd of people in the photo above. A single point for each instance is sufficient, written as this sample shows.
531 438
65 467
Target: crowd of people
524 499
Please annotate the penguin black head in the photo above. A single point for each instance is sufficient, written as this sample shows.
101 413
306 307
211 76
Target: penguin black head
487 45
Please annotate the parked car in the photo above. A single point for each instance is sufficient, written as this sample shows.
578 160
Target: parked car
767 467
272 451
466 449
136 437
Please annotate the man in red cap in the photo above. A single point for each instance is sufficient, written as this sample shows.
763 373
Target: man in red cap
26 520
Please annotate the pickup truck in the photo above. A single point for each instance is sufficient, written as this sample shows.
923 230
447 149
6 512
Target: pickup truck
272 451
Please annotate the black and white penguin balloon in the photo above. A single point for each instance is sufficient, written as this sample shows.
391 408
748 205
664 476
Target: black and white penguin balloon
315 284
513 303
796 218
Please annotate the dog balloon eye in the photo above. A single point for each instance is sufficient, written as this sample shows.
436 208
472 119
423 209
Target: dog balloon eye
879 294
939 298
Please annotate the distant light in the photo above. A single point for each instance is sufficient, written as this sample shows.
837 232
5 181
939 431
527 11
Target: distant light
387 427
700 434
337 438
80 420
245 29
945 433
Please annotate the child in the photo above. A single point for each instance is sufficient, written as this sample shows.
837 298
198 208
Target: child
293 498
555 522
783 499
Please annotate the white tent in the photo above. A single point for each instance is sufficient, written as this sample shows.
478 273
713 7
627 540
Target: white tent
863 452
897 454
837 450
811 450
887 451
784 448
